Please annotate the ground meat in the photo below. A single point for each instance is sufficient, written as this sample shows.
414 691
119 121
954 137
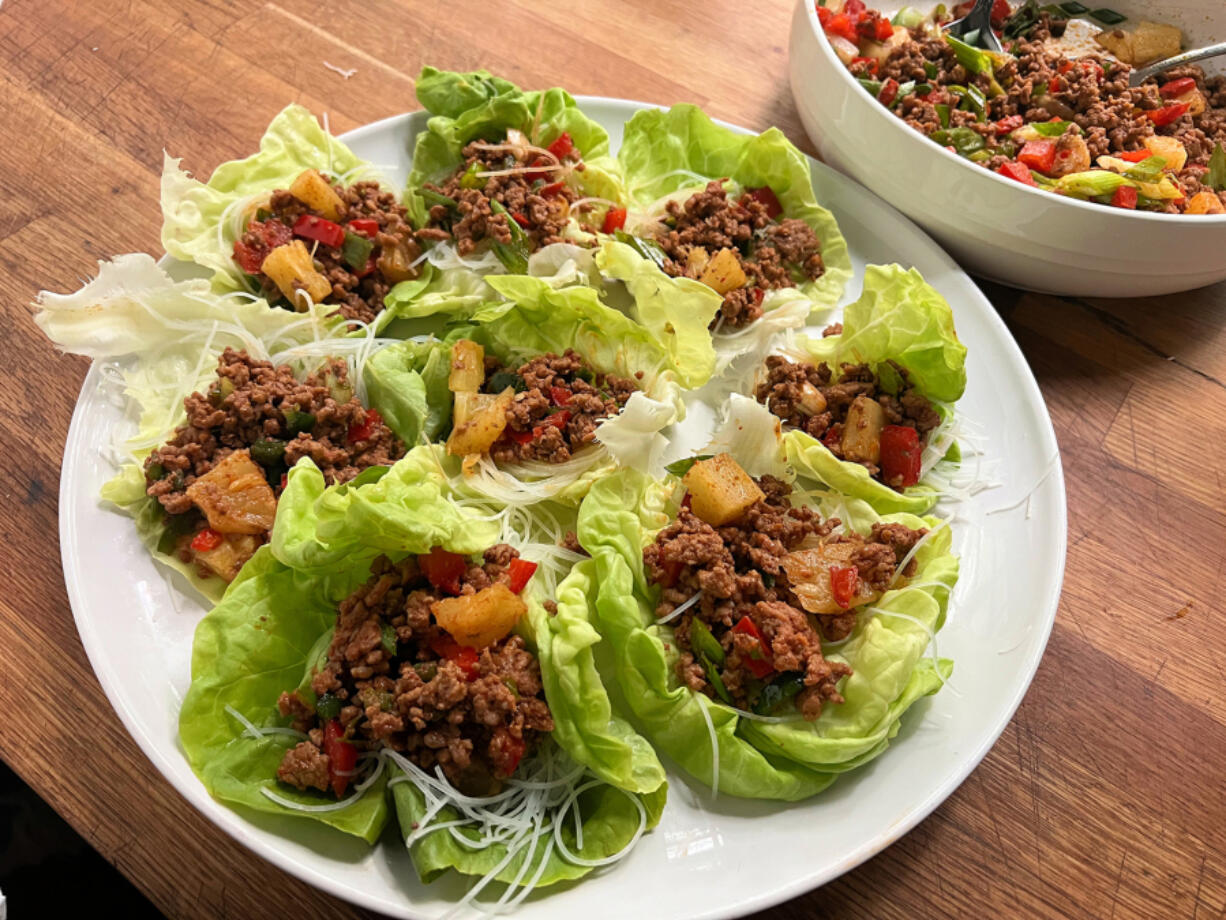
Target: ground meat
770 252
737 572
252 401
475 716
359 293
537 199
808 398
1090 92
560 403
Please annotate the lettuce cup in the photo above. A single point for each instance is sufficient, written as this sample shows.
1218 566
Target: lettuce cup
304 224
391 651
761 642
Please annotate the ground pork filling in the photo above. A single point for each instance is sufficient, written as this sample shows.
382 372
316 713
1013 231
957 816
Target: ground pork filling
771 253
810 399
275 419
480 208
1104 115
771 648
394 679
559 402
377 230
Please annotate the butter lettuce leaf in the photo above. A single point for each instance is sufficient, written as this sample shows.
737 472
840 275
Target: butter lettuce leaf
783 760
666 151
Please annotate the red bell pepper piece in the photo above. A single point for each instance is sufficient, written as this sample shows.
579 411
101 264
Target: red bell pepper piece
1167 114
443 569
558 420
266 236
855 9
1000 12
1125 197
342 756
310 227
1176 88
368 268
206 540
1018 172
832 436
888 92
1134 156
1038 155
766 197
367 226
1087 64
874 26
361 431
1065 66
464 657
901 455
562 147
520 571
552 189
759 667
1056 85
520 437
560 395
534 174
506 751
670 572
844 580
521 219
840 24
1011 123
614 219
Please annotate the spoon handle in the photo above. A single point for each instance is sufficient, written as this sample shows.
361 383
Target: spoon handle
1139 76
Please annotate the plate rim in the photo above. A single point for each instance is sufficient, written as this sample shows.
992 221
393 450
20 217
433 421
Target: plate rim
238 828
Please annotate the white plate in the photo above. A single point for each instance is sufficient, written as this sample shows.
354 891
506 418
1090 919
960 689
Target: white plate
707 858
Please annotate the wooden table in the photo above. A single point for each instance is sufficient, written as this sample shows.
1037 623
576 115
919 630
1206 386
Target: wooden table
1106 796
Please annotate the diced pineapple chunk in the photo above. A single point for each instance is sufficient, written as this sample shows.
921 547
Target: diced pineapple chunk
696 259
469 404
1170 149
317 193
1118 42
1205 202
292 271
229 556
483 426
720 491
480 619
862 431
235 496
809 577
467 367
879 51
723 273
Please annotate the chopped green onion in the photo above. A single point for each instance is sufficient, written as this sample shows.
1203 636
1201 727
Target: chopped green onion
716 681
908 17
1148 170
513 255
645 248
1038 90
268 451
976 100
704 643
930 69
432 198
964 140
1050 128
942 113
680 467
503 379
980 156
328 706
1107 17
470 179
356 250
389 638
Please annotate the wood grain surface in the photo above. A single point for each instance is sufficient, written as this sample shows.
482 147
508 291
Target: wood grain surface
1105 797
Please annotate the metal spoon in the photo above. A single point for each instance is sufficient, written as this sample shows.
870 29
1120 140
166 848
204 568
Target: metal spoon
1141 74
975 28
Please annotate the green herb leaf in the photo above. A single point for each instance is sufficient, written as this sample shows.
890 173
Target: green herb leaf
503 379
1050 128
1215 178
680 467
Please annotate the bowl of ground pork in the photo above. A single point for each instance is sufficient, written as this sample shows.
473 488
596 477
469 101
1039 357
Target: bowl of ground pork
997 227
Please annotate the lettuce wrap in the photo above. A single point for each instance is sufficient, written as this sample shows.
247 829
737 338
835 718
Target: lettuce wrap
201 221
671 154
779 758
900 318
408 383
273 628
